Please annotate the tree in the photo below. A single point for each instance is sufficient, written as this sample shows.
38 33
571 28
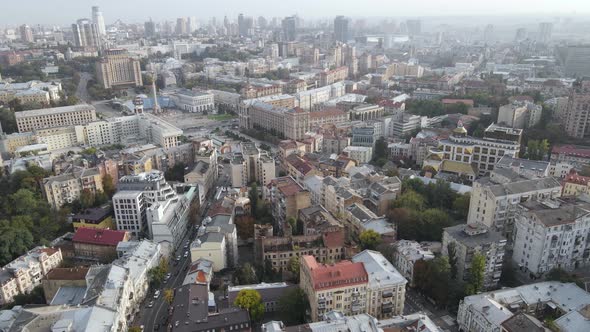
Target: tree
476 274
107 185
461 205
169 295
292 306
380 149
250 300
452 252
253 196
294 267
247 275
87 198
369 239
410 200
176 173
432 222
15 239
135 329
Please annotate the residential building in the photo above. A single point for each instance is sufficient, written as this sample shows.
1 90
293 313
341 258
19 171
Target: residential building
224 224
487 312
359 218
334 144
117 68
310 99
494 199
287 197
98 244
332 76
577 116
63 277
291 123
86 34
575 184
194 101
520 114
210 246
99 218
361 154
26 33
406 255
98 19
552 234
341 32
406 125
205 172
574 60
317 220
314 185
299 168
574 155
25 273
471 239
32 92
68 187
530 169
366 134
252 165
55 117
386 287
270 293
340 286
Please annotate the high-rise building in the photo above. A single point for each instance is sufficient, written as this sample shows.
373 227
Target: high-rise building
26 33
520 34
86 34
488 33
341 29
414 27
245 25
181 26
118 68
290 28
575 60
150 28
577 116
98 20
545 29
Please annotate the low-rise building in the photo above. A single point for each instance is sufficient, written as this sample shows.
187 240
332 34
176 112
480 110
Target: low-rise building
270 293
472 239
359 218
210 246
99 217
575 184
361 154
194 101
98 244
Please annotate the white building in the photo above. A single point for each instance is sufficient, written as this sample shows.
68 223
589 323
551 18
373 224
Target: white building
362 154
210 246
308 100
520 114
552 234
253 164
407 254
194 101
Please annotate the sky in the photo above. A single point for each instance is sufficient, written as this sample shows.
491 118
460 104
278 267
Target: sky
65 12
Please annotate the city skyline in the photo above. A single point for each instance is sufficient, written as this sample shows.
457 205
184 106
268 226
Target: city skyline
132 11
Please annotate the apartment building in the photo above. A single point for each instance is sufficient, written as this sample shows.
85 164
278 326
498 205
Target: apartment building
299 168
67 187
278 101
552 234
484 152
25 273
566 157
577 115
328 115
336 196
487 312
205 172
55 117
287 197
311 99
194 101
575 184
494 199
470 239
332 76
99 218
358 218
386 287
251 165
406 255
211 246
117 68
334 144
98 244
520 114
32 92
290 123
361 154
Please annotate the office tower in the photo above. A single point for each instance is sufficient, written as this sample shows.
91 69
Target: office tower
98 20
262 23
290 28
26 33
181 24
86 34
576 60
192 24
414 27
520 34
577 117
242 29
488 33
118 68
150 28
545 29
341 29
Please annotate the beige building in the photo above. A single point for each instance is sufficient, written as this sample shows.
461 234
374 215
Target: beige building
333 76
252 165
210 246
25 273
55 117
332 115
287 197
577 115
66 188
32 92
117 68
290 123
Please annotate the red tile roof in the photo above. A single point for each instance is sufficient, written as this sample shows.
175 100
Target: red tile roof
334 239
327 112
341 274
573 177
572 150
106 237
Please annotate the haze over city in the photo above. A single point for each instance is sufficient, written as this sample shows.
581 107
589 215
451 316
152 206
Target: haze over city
318 166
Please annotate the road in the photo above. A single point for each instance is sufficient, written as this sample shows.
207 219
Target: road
274 149
158 314
415 302
81 89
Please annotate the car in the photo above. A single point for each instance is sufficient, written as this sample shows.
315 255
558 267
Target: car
157 294
157 327
151 304
178 257
186 254
168 275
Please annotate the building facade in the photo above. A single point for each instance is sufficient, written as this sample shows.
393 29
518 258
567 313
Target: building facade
118 69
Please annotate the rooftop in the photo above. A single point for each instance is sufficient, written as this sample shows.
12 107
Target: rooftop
105 237
343 273
54 110
481 234
381 272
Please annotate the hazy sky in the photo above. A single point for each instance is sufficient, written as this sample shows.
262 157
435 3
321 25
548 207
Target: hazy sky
63 12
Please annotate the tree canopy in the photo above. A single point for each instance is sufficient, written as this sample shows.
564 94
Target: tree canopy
369 239
250 300
292 306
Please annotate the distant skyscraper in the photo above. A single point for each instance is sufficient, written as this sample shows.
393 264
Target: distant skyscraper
488 33
414 27
576 60
520 34
577 118
341 29
242 29
262 22
86 34
26 33
290 28
98 20
545 29
181 26
150 28
192 24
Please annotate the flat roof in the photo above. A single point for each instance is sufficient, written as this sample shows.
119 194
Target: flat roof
54 110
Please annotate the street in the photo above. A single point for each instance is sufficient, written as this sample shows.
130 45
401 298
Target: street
417 303
81 89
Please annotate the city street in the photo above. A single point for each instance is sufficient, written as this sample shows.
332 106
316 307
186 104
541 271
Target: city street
417 303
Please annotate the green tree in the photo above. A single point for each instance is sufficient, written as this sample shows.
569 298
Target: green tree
87 198
135 329
15 239
380 151
169 295
476 274
247 275
250 300
461 205
452 252
293 306
432 222
294 267
410 200
369 239
253 196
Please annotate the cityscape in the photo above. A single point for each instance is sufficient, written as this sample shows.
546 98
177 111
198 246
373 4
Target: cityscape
321 167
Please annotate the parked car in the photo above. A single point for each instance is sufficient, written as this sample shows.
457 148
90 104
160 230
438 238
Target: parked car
157 294
151 304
